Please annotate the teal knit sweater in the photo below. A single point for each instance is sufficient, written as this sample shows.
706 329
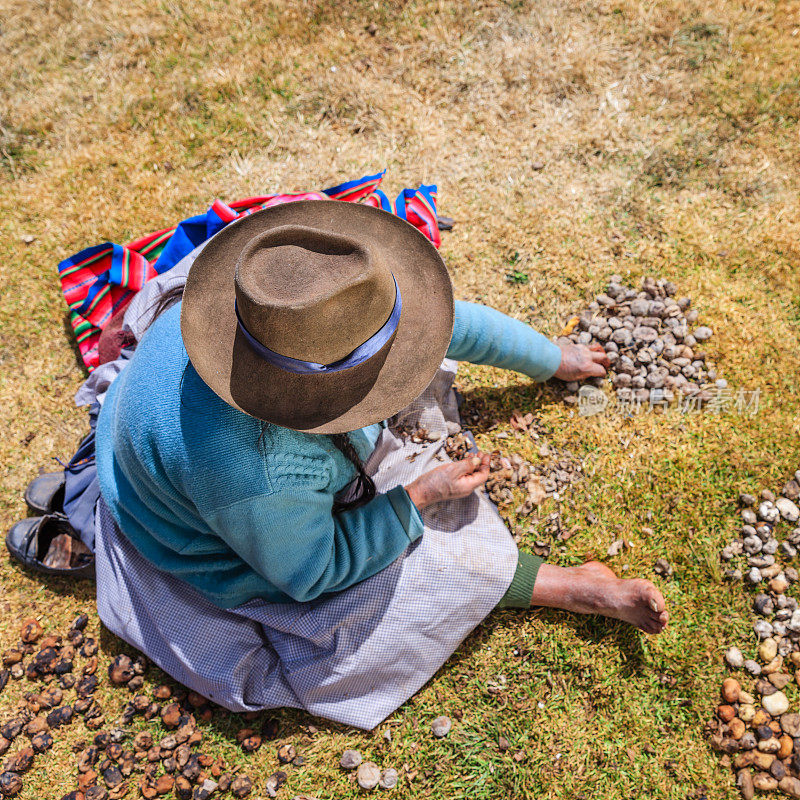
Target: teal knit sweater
241 512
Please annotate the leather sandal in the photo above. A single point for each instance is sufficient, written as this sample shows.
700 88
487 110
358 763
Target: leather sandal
51 546
45 494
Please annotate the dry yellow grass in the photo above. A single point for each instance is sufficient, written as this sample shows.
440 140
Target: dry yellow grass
586 137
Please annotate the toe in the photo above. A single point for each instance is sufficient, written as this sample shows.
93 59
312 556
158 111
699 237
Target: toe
653 597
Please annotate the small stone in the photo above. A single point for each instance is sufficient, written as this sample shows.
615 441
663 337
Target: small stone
120 671
42 742
350 759
748 741
747 712
112 776
763 629
744 780
10 784
662 567
171 715
80 622
726 712
734 658
736 728
768 649
765 688
388 778
770 745
780 680
764 782
749 517
31 631
644 333
792 490
775 704
788 510
274 782
206 789
790 724
251 743
763 605
441 726
754 575
622 337
21 762
730 690
790 786
183 788
286 753
368 775
777 769
13 728
778 584
703 333
241 786
746 500
60 716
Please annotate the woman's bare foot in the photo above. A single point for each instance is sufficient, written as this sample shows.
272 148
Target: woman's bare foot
593 588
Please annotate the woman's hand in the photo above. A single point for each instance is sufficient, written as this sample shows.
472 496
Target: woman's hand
450 481
579 361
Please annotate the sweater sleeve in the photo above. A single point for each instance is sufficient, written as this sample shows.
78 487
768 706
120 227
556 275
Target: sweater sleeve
483 335
292 539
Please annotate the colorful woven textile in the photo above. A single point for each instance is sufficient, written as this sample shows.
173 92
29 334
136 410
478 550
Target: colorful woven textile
101 280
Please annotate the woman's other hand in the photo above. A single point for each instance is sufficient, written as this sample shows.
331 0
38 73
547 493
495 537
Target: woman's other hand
579 361
450 481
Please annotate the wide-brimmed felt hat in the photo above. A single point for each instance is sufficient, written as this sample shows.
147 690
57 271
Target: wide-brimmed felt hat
322 316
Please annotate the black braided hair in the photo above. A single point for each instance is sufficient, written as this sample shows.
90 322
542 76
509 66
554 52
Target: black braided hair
362 489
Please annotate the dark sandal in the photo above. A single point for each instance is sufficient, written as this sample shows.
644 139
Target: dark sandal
49 545
45 494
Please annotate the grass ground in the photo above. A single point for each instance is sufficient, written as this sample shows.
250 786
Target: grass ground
574 139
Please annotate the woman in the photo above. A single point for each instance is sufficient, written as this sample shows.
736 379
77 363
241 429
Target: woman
263 534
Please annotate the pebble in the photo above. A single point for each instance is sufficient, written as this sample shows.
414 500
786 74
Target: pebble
120 670
744 780
703 333
787 509
768 649
275 782
790 786
10 784
730 690
389 778
31 631
790 724
734 658
646 336
241 786
368 775
441 726
775 704
350 759
662 567
747 712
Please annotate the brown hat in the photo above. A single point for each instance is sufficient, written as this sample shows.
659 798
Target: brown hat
322 316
